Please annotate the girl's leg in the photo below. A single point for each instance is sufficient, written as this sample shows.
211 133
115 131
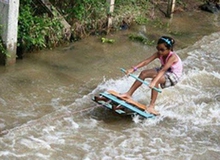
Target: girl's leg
151 73
150 108
154 94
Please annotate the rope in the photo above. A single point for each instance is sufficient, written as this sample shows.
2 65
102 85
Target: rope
38 121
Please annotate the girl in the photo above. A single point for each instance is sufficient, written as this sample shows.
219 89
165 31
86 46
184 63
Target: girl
167 75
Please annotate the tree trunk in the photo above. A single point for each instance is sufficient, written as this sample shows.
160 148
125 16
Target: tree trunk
52 10
170 8
111 4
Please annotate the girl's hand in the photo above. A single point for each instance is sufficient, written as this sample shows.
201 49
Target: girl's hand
129 71
152 85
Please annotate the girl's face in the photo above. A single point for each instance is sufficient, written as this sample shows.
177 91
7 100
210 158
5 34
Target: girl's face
162 49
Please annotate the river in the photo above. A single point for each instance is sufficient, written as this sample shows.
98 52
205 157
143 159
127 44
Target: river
46 111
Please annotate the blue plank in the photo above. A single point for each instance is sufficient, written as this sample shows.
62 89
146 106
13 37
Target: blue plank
142 81
127 105
109 106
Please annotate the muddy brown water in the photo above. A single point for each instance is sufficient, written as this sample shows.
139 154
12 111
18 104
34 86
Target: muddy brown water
46 110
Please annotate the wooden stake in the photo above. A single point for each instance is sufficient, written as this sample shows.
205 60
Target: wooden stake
170 8
9 21
111 4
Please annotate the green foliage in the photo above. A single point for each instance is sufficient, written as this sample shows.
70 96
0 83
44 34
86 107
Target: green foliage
182 3
86 16
90 16
37 32
141 38
107 40
81 10
157 23
2 47
141 20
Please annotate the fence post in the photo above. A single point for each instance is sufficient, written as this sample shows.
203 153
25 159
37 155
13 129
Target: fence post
9 21
170 8
110 4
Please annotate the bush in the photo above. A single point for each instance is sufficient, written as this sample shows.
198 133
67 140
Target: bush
2 47
37 31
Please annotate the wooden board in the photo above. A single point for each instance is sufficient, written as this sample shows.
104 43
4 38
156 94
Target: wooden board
108 104
110 99
128 100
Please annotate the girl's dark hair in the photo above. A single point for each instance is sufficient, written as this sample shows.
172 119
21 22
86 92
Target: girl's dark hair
168 42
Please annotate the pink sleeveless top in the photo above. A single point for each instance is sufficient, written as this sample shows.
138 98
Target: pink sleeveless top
176 68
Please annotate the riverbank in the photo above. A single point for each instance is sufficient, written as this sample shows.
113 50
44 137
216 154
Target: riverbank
185 27
92 20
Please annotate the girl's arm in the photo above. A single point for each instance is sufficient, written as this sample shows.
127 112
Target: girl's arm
143 63
169 63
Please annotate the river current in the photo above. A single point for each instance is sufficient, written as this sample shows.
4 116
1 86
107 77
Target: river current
46 111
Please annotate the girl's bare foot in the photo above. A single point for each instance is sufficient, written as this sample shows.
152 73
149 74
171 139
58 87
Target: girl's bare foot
152 111
125 95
